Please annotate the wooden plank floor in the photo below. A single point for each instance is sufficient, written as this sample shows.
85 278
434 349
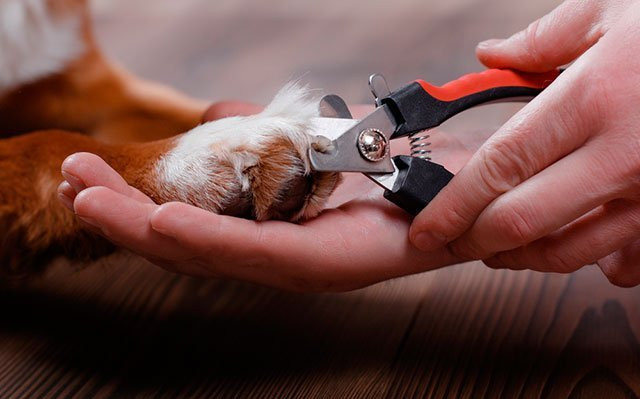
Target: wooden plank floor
125 329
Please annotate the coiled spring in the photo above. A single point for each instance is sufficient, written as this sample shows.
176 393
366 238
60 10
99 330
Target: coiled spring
420 145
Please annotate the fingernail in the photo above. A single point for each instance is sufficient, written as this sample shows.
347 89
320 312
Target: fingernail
66 201
77 184
429 240
487 44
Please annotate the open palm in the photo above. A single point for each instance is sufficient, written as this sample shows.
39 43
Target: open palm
360 239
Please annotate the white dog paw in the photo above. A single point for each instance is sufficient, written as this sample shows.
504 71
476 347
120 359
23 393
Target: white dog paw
255 166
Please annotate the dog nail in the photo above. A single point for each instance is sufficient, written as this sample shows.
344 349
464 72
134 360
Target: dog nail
322 144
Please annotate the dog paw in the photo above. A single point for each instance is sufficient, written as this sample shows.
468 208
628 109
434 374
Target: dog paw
254 166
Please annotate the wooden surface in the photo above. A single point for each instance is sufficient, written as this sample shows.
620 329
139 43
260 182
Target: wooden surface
466 331
126 329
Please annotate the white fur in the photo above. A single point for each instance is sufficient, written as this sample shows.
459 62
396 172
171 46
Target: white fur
187 168
34 43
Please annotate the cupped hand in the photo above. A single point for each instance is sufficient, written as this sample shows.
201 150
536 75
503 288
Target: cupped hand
558 186
359 240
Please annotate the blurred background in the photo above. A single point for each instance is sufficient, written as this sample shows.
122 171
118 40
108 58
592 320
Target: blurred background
247 49
127 329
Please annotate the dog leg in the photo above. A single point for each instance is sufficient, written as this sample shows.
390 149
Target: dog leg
53 76
253 166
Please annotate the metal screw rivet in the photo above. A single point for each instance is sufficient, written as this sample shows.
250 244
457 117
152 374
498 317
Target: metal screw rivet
372 144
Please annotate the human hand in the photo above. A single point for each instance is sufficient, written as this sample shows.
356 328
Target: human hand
557 187
360 240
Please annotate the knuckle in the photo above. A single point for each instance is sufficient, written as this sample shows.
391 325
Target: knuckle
508 265
622 176
514 225
466 250
594 97
494 264
622 280
627 155
559 262
614 271
532 38
634 189
451 217
445 223
503 166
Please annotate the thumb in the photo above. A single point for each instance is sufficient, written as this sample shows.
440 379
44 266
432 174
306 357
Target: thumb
83 169
224 109
550 42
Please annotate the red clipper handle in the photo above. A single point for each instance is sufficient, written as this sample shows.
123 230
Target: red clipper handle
421 105
490 79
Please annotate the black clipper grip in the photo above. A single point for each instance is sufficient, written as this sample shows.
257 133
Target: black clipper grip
418 182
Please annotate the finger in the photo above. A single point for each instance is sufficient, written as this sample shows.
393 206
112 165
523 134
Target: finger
84 169
89 227
540 205
125 221
583 242
225 109
232 247
66 195
325 254
552 41
622 267
545 130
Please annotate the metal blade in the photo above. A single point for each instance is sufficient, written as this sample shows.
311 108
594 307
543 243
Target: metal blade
331 128
333 106
385 180
343 154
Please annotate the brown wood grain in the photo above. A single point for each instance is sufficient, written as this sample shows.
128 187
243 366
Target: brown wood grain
125 329
467 331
